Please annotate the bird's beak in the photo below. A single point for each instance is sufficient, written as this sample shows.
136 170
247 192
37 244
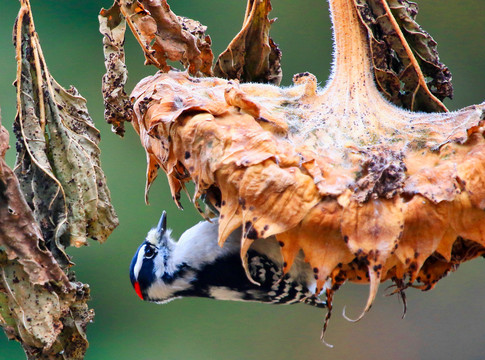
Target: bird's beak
138 290
162 224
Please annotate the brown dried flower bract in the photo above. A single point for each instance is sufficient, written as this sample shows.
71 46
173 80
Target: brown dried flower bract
367 190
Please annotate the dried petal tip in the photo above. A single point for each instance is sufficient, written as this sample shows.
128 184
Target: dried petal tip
372 295
374 286
245 245
248 273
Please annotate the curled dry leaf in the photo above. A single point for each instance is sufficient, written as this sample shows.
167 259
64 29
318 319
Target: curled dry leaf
252 56
58 156
368 191
406 64
117 105
38 304
50 323
61 199
20 236
165 36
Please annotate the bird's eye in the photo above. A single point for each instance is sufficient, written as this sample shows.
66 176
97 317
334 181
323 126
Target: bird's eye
150 252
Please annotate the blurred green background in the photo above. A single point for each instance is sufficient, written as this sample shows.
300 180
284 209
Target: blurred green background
446 323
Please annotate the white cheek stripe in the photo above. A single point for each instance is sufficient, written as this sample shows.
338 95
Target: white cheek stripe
139 262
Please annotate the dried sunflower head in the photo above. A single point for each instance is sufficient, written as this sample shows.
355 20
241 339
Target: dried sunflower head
367 190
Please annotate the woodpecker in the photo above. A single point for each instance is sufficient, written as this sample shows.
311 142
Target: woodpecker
196 266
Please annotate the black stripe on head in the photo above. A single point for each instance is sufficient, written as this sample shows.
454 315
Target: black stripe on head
142 268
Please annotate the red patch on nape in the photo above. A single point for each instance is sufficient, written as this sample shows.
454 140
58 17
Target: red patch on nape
138 290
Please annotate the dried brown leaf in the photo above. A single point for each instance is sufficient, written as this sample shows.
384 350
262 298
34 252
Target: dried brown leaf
20 236
117 105
58 157
406 63
164 36
61 199
252 56
49 322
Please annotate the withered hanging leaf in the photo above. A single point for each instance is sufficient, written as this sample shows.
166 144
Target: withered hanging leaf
164 36
58 157
64 200
20 236
117 105
406 63
252 56
203 44
50 323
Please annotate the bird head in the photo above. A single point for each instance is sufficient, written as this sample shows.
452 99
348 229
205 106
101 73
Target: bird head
149 261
